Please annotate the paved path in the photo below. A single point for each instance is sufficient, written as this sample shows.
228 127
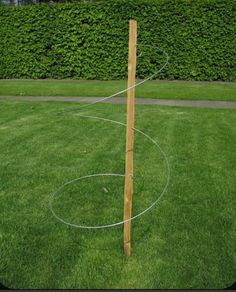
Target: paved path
149 101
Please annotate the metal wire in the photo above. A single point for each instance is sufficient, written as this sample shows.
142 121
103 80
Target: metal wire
115 174
126 89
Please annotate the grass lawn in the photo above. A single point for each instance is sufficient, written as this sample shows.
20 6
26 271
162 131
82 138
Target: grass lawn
151 89
187 241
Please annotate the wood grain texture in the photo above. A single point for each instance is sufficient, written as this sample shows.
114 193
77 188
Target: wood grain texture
128 189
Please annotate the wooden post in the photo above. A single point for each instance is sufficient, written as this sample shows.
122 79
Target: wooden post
128 189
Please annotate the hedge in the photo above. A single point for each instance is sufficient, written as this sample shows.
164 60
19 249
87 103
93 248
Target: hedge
89 40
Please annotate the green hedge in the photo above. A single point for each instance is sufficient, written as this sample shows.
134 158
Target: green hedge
89 40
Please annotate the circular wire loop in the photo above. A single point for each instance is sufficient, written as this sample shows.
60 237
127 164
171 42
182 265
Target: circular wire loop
115 174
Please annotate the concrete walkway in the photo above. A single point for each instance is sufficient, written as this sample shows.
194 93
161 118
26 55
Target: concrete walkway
121 100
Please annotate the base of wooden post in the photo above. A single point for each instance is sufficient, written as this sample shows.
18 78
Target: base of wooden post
127 249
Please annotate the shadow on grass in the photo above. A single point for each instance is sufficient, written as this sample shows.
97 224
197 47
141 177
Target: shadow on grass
111 239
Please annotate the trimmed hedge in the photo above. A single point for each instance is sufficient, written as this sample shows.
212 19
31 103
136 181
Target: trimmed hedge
89 40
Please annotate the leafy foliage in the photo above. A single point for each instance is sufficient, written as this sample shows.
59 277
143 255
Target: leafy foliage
89 40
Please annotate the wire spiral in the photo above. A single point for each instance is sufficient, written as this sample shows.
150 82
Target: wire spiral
51 199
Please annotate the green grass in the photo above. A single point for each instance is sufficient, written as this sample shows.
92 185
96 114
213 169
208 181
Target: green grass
187 241
151 89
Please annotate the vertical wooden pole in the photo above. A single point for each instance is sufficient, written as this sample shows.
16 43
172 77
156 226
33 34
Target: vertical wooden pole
128 189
